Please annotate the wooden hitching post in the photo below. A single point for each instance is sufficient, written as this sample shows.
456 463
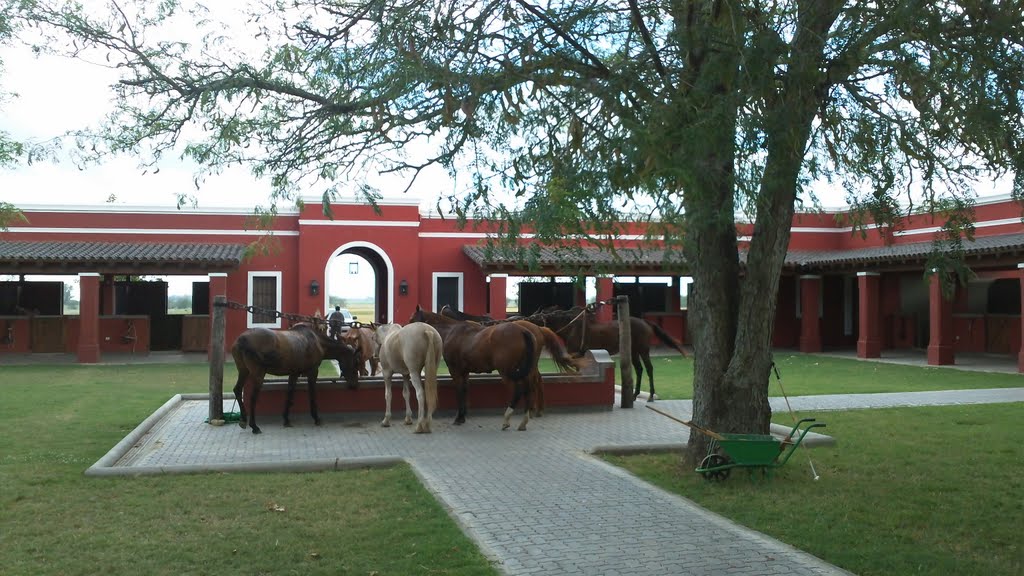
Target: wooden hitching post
625 353
217 359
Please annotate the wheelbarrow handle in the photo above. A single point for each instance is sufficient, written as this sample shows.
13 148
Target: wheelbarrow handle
705 431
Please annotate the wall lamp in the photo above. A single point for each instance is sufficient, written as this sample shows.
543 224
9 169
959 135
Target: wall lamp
403 287
314 288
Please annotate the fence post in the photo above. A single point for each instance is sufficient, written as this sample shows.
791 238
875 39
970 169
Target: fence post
217 359
625 353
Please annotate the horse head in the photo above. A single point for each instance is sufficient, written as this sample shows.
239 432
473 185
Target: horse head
348 360
382 332
418 316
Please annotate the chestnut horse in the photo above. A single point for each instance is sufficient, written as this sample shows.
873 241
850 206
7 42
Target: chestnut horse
544 336
409 351
294 352
582 333
473 348
362 340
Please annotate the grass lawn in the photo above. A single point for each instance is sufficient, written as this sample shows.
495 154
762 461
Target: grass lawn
923 491
905 491
808 374
55 421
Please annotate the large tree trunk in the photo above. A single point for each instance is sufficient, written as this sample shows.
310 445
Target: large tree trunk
732 317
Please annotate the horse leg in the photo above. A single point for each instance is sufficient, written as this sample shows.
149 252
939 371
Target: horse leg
517 393
526 404
292 378
460 396
639 369
405 395
422 422
239 388
257 384
386 422
538 400
313 411
650 376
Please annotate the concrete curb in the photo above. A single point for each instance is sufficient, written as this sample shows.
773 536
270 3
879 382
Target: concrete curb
106 465
107 461
322 465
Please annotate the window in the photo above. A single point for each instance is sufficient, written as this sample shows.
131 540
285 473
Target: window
264 292
447 290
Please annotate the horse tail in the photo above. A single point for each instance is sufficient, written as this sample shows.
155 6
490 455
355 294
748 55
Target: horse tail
558 351
666 339
529 358
430 367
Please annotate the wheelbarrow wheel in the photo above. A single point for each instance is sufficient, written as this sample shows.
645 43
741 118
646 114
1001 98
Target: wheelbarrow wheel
714 461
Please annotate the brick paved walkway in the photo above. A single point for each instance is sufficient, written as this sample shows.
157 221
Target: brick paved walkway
536 502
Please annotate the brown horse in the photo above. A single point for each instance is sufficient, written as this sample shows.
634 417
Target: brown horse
473 348
294 352
544 336
582 333
362 340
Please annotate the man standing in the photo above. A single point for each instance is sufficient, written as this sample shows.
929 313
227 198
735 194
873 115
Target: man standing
334 321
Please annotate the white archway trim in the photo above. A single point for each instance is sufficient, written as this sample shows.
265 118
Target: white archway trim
387 263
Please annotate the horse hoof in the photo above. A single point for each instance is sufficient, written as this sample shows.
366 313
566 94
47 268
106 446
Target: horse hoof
522 428
287 424
316 422
385 424
408 422
505 426
256 430
243 424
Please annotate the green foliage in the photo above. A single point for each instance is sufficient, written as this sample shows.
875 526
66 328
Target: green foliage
9 214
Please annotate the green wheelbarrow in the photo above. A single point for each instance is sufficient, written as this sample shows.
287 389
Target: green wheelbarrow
753 451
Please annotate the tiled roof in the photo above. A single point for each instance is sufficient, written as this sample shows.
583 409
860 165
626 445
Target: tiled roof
917 251
117 257
579 257
625 260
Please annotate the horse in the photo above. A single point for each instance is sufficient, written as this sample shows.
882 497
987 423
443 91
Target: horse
362 340
473 348
294 352
582 333
544 336
410 350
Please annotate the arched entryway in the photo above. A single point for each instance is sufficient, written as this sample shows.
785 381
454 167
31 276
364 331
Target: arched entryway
384 278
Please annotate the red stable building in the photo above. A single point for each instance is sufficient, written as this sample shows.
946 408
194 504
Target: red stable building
865 292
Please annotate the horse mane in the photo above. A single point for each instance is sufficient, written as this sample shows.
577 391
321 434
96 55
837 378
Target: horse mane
450 312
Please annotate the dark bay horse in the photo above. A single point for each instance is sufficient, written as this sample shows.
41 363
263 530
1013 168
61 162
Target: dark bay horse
582 333
469 347
544 336
295 352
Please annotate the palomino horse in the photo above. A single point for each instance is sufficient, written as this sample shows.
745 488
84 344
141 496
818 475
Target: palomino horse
582 333
544 336
294 352
410 350
473 348
362 340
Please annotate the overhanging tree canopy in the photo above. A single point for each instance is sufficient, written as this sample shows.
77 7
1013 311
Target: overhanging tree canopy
697 111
